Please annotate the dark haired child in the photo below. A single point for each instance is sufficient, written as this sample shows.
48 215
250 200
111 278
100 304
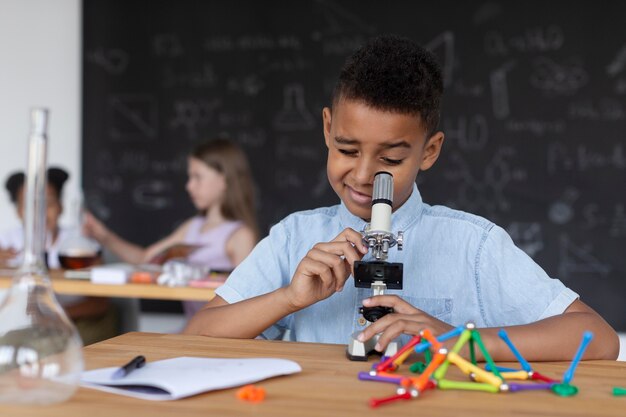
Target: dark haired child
94 317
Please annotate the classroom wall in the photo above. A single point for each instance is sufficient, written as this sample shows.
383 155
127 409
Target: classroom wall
40 66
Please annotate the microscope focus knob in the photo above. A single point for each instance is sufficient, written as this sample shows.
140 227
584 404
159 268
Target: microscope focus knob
400 240
372 314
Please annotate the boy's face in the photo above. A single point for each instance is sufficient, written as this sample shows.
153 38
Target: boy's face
53 207
362 141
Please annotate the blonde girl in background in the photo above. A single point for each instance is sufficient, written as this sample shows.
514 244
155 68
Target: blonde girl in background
225 228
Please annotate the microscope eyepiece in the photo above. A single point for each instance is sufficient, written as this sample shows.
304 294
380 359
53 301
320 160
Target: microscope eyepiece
382 200
383 188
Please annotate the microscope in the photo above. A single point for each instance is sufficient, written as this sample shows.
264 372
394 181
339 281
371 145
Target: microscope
378 274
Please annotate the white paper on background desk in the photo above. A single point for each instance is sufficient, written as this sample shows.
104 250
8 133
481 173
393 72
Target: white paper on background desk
112 274
175 378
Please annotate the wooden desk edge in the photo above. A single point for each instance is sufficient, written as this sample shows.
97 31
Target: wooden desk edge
148 291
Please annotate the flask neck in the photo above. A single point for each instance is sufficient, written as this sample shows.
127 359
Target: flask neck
35 200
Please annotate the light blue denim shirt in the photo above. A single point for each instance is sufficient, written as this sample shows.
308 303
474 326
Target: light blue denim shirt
458 267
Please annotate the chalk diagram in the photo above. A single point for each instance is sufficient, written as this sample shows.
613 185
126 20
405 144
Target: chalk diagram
96 203
443 46
193 115
618 64
113 61
288 178
284 149
127 161
500 90
555 78
575 260
133 117
616 70
527 236
167 45
562 210
110 183
152 194
294 115
470 132
250 85
532 39
485 192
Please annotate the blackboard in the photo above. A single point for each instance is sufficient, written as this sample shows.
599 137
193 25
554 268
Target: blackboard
534 114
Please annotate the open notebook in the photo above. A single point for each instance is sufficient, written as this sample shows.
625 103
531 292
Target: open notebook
175 378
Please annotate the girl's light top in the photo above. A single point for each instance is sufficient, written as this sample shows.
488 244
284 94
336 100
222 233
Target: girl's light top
212 254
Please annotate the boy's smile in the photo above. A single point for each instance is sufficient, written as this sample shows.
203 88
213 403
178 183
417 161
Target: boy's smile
359 197
362 140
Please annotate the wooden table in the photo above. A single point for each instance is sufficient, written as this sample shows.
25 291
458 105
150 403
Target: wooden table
327 386
62 285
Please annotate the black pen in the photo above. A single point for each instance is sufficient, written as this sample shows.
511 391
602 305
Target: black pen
136 363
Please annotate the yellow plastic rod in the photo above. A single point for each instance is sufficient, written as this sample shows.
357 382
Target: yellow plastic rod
468 367
519 375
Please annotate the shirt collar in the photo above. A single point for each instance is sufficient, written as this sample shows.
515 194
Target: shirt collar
401 219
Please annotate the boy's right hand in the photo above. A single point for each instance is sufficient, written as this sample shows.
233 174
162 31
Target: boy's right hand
325 269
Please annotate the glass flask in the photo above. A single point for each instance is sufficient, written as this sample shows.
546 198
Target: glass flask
77 251
40 350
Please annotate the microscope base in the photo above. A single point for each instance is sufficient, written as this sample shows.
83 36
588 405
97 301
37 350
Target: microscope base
359 351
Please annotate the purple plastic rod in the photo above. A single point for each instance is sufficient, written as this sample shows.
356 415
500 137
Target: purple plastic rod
527 387
365 376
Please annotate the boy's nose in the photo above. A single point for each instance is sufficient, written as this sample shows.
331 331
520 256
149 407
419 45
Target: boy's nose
364 172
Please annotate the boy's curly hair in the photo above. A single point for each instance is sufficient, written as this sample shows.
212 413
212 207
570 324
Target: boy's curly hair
393 73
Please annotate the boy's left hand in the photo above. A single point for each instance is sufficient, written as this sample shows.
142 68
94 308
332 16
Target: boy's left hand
405 319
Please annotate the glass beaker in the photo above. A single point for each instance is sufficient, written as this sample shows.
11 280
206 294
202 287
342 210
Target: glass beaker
77 251
40 350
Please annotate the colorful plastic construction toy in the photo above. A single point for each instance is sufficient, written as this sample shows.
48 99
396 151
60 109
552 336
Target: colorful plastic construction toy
493 378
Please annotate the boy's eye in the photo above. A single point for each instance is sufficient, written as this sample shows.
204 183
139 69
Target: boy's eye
349 152
390 161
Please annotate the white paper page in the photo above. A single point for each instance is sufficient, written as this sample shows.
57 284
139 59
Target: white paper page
175 378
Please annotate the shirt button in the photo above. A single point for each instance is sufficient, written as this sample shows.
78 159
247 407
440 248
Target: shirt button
361 321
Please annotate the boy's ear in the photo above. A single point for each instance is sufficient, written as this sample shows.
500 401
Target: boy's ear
326 119
432 148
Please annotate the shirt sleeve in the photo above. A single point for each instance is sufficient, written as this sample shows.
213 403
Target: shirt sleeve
10 239
512 288
4 245
266 269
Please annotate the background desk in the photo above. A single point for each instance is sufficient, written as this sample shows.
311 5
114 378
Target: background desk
327 386
62 285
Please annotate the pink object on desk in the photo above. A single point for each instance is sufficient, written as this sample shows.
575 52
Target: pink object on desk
209 282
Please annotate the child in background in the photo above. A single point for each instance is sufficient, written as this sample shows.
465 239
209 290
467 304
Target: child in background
94 317
457 266
225 228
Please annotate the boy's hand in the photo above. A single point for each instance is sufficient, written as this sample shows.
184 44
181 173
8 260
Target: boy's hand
325 269
405 319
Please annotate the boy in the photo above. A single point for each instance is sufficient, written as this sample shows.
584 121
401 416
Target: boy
457 267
